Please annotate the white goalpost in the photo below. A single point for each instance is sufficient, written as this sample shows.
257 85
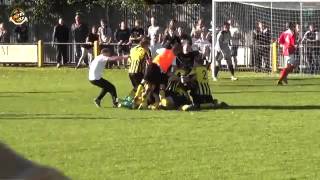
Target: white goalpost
261 23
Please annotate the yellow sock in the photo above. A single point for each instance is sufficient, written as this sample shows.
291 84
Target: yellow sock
139 91
162 94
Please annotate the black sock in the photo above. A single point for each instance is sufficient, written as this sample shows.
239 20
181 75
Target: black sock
231 70
216 71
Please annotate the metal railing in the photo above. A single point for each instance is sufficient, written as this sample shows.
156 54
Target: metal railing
263 58
50 52
259 58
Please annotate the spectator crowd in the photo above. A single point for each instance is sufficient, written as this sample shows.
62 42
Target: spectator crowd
122 38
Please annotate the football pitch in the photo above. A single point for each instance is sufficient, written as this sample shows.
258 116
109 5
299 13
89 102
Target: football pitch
269 132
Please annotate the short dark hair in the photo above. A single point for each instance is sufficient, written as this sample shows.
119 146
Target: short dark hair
106 50
187 38
144 40
169 44
292 25
177 47
226 24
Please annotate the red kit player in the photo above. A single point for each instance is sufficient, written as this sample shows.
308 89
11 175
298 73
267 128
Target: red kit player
287 40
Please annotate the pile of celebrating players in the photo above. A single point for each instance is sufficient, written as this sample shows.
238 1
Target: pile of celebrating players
176 77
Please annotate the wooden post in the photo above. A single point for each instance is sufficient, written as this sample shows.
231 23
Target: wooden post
274 57
96 49
40 53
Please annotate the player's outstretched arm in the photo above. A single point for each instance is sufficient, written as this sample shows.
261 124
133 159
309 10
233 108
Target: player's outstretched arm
118 58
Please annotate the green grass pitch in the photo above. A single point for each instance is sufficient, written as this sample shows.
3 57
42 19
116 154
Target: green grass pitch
269 132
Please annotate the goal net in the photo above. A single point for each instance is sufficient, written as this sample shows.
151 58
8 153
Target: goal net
260 24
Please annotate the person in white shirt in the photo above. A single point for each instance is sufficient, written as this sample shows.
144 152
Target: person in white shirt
155 36
105 33
95 75
203 45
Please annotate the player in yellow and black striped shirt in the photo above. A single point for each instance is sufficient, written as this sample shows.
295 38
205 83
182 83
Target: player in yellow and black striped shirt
200 92
138 56
176 92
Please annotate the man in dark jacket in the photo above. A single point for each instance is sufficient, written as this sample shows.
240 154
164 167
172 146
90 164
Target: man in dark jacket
310 40
21 32
262 40
79 32
122 36
61 35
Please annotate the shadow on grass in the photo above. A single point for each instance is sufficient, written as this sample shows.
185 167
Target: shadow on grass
275 107
35 92
53 118
265 85
9 96
47 116
277 92
25 116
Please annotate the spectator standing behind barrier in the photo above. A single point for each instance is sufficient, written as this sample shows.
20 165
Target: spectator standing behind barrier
61 35
171 26
203 45
136 33
310 39
262 39
79 31
235 41
105 34
21 32
87 49
4 34
122 36
170 34
181 33
197 29
155 36
170 37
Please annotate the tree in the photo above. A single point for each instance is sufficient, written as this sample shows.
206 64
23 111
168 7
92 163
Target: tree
39 11
46 11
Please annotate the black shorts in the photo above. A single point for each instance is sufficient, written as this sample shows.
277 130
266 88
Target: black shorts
153 74
136 79
202 99
234 51
164 78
